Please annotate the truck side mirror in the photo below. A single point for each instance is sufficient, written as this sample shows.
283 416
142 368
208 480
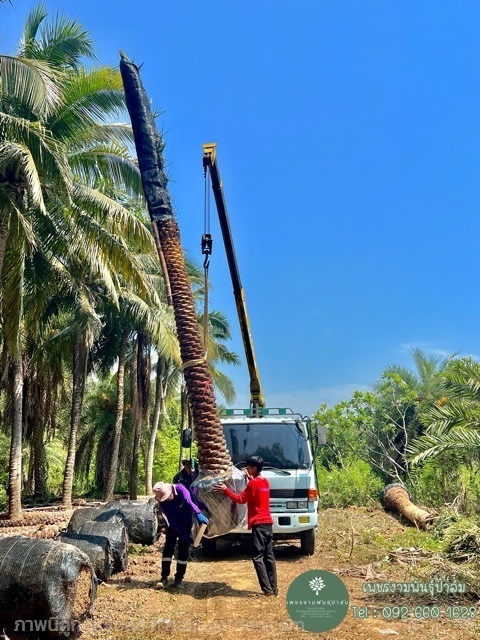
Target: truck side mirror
321 435
186 438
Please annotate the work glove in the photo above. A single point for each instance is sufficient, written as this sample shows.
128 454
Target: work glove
202 519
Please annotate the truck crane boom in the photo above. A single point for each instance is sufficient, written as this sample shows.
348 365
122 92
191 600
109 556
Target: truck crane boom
210 163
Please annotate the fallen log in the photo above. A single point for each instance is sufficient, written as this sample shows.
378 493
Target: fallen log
98 549
45 586
396 497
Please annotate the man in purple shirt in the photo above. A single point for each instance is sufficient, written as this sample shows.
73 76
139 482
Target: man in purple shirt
177 508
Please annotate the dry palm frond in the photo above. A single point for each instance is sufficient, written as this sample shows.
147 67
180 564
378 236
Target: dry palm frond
410 556
442 522
462 540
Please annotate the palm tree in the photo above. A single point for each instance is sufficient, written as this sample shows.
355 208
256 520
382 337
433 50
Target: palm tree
27 95
403 394
453 422
212 449
56 143
426 379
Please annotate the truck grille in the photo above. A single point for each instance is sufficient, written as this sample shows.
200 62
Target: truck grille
289 493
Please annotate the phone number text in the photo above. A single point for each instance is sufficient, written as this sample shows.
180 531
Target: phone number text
419 612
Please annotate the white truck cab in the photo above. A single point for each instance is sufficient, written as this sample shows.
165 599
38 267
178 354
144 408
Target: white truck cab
285 442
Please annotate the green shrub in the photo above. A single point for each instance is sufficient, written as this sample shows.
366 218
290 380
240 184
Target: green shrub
56 456
354 484
443 481
167 453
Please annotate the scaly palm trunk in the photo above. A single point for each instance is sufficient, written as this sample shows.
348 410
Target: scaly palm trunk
117 429
15 465
80 356
396 498
213 454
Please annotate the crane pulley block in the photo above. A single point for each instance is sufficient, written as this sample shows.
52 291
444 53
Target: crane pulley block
207 242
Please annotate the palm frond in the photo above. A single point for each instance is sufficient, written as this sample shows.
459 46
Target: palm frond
223 384
458 438
116 218
45 152
32 24
90 97
111 165
98 134
63 41
20 155
33 84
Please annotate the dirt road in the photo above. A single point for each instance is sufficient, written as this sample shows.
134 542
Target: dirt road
220 599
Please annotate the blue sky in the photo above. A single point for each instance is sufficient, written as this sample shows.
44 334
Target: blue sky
349 146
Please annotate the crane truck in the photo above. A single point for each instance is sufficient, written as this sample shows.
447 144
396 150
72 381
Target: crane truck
285 440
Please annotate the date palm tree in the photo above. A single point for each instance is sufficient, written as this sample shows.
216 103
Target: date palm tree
403 395
213 453
453 422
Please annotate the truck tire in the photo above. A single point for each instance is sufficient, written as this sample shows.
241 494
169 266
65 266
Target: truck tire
308 540
209 547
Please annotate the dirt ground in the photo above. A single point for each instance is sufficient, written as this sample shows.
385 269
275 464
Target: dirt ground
220 598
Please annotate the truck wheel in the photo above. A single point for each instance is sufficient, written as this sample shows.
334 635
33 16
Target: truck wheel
209 547
308 539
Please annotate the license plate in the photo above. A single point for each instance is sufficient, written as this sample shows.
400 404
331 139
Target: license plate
303 519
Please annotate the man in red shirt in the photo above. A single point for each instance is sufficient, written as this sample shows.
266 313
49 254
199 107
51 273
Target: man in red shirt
257 497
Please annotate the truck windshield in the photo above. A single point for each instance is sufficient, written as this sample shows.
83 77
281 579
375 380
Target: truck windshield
280 445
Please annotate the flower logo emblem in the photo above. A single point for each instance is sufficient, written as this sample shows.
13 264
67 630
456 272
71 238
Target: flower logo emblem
317 584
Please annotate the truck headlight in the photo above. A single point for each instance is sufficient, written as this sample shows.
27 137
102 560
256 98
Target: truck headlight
292 505
302 505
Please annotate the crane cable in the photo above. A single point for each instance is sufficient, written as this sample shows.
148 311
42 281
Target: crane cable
207 252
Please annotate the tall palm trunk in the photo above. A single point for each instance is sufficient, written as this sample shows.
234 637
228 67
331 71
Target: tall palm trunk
4 226
15 465
140 407
15 462
35 417
80 357
117 429
212 448
136 422
40 474
160 392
